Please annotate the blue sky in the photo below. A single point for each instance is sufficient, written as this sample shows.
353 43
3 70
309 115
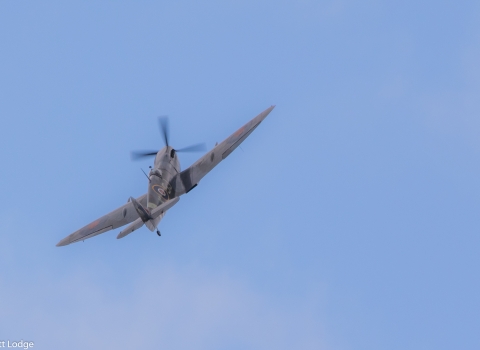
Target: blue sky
348 220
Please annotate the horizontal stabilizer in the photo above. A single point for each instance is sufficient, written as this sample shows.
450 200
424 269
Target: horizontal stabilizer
164 207
132 227
158 213
155 213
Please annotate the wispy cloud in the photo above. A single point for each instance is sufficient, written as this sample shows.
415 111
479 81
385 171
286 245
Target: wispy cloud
167 307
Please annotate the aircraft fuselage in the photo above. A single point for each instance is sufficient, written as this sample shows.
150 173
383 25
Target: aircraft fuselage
166 166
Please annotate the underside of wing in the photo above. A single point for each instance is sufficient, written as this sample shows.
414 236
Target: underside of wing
117 218
189 178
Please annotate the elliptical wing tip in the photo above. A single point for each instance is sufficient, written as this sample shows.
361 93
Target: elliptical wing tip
63 242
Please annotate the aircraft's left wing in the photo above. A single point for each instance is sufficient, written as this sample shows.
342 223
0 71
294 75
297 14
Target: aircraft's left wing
189 178
117 218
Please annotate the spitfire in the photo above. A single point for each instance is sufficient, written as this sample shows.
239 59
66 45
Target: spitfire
166 183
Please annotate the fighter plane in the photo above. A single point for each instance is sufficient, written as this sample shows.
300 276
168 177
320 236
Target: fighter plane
166 183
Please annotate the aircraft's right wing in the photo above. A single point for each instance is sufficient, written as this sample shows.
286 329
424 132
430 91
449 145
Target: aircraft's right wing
189 178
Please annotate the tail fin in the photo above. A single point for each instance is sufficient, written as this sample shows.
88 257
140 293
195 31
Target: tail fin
142 212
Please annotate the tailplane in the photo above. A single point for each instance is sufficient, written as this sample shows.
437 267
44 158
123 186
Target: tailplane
151 219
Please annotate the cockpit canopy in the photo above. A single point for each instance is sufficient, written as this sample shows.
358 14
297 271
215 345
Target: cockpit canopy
155 172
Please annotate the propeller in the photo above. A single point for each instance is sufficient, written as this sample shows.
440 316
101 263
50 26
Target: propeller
199 147
165 131
142 154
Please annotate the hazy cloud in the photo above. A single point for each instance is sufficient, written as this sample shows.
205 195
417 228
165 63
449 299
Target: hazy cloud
167 307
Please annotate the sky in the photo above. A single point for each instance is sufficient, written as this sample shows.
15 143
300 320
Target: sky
348 220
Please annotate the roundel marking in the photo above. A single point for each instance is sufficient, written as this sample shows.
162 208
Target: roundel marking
93 224
239 131
158 189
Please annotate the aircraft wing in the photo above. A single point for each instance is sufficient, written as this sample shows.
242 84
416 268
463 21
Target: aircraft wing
189 178
117 218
